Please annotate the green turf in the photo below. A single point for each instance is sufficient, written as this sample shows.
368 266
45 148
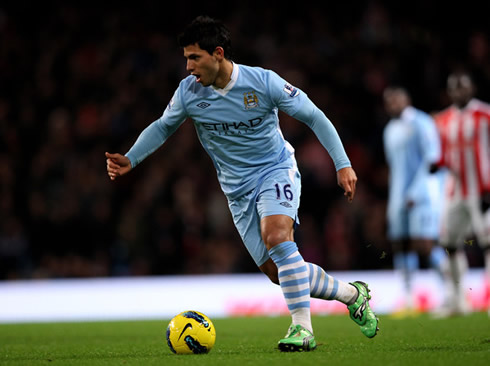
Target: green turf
461 341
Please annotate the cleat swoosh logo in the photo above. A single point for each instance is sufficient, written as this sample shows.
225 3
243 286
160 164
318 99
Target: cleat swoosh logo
188 325
360 311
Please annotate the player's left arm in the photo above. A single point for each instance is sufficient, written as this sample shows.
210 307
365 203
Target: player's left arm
296 103
328 136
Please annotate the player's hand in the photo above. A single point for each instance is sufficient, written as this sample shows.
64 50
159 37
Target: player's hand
117 165
347 179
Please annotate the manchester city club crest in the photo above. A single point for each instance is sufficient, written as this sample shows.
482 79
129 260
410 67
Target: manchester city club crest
250 100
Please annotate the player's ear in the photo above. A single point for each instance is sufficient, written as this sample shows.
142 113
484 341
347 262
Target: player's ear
219 52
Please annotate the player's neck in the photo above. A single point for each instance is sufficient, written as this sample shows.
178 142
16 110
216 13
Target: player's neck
224 74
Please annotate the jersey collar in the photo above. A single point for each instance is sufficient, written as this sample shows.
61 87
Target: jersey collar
472 104
231 83
408 113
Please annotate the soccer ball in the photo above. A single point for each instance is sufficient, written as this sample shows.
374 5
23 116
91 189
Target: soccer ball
190 332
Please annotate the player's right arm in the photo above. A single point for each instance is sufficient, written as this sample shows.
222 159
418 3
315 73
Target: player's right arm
429 145
149 140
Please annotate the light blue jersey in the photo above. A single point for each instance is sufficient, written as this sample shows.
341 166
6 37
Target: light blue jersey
411 144
238 126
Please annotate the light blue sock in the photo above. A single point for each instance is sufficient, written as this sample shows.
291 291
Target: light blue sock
412 260
294 280
406 264
439 261
323 286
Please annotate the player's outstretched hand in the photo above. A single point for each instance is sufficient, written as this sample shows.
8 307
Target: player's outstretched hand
347 179
117 165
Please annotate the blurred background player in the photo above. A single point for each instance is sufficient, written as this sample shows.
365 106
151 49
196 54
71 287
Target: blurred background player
234 109
464 131
411 145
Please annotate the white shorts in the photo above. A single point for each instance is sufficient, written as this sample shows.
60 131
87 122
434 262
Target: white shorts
278 194
463 217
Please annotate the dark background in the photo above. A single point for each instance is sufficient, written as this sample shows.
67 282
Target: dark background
79 80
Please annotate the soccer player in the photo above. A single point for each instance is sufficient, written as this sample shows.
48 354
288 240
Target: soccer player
464 130
234 109
412 145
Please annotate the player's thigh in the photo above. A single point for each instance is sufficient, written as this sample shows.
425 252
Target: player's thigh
278 194
455 223
397 222
277 206
247 222
424 222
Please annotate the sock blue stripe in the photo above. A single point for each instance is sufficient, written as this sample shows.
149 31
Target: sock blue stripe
334 290
304 304
292 295
324 287
295 282
292 271
317 281
283 250
290 260
310 269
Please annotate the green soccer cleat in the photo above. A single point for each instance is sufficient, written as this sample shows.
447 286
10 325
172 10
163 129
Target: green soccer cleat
297 339
361 313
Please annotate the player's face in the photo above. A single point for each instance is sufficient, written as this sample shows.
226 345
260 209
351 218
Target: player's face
394 102
460 90
201 64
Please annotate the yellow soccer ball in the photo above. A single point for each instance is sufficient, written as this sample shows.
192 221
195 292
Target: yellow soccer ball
190 332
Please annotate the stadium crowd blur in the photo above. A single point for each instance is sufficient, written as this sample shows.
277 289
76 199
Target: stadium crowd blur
76 81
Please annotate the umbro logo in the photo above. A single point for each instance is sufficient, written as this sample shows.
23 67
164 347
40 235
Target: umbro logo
285 204
203 105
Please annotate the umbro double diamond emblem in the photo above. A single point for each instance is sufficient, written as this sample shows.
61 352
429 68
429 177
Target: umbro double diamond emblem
203 105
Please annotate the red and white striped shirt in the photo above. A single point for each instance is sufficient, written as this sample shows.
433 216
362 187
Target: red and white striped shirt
465 142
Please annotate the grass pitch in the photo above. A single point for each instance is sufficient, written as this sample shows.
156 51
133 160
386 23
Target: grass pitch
252 341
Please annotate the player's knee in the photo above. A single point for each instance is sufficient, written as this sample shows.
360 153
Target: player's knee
451 250
424 247
274 237
276 229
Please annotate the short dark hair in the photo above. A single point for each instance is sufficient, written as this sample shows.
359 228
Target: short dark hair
459 75
208 33
396 88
